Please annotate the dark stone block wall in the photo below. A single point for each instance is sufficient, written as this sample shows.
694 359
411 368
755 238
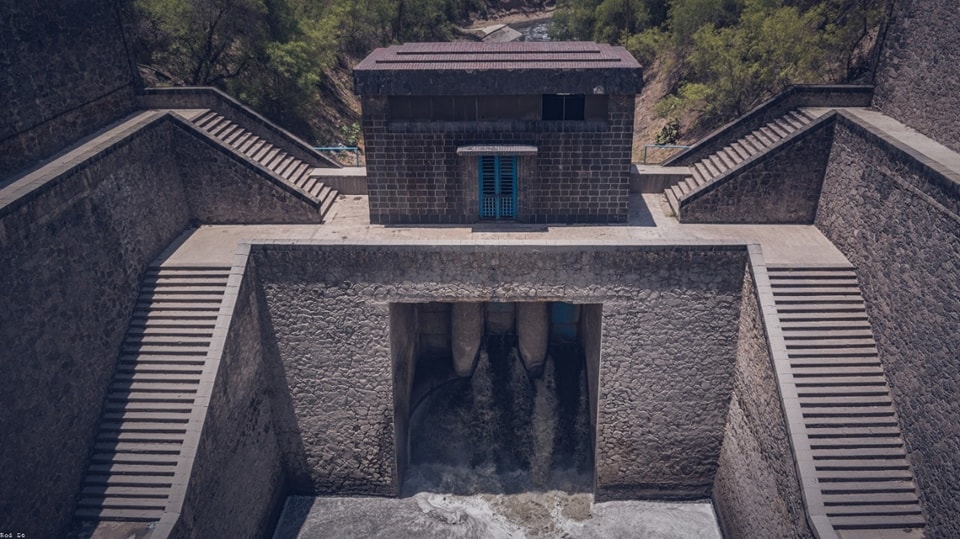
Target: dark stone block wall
66 73
918 72
69 273
237 485
665 368
581 172
899 223
780 186
757 492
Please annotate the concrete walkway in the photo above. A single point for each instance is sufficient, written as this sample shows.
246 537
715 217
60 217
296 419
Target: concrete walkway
649 223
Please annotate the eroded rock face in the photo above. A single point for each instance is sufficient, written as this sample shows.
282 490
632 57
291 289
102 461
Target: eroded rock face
533 331
466 329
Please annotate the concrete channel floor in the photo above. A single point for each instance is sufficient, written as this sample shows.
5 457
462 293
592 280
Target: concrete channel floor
649 223
528 515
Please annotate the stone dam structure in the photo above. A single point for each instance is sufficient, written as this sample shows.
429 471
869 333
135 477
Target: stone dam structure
201 316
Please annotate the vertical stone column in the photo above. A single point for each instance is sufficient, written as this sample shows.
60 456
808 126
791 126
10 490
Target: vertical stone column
466 329
533 331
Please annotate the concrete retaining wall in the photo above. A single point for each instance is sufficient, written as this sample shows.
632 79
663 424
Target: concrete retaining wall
757 492
664 387
898 221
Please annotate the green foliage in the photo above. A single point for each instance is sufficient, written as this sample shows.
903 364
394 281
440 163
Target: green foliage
669 133
729 55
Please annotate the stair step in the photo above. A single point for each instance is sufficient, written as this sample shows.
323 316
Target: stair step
183 289
855 443
249 145
239 142
886 509
126 492
205 118
753 144
830 299
711 168
731 157
139 470
853 432
269 156
824 332
672 201
836 352
742 152
151 349
132 426
842 411
195 370
140 448
159 407
140 437
862 464
820 401
193 331
866 499
122 502
718 163
161 306
858 453
296 172
843 391
135 458
283 164
703 171
771 136
850 421
134 387
237 134
857 487
829 343
133 417
173 316
126 515
166 397
873 522
841 381
809 290
124 480
264 150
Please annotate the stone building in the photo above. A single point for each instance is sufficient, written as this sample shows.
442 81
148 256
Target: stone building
527 132
195 323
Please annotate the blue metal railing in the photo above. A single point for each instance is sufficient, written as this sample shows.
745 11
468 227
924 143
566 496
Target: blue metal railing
661 147
354 149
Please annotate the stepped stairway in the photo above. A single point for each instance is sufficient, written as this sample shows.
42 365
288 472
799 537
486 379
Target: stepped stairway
728 158
138 457
858 454
287 167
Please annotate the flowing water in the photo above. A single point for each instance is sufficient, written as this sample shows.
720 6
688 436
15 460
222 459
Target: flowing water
504 430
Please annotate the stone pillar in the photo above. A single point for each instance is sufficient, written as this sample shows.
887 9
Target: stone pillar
533 332
466 329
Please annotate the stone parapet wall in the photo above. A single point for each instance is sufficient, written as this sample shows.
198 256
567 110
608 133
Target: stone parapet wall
236 487
329 306
225 187
898 221
66 73
917 73
204 97
72 255
580 173
757 492
781 185
794 97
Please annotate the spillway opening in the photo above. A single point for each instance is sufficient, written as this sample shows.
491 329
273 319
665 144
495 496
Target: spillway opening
495 397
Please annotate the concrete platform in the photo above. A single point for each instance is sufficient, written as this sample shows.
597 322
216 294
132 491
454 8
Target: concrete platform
649 222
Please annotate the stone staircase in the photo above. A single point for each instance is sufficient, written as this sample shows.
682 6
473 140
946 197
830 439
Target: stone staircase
858 455
151 411
287 167
730 157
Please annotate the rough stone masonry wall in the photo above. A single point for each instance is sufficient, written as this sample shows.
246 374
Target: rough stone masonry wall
237 485
223 187
781 186
917 76
899 224
666 365
65 74
72 255
757 492
582 171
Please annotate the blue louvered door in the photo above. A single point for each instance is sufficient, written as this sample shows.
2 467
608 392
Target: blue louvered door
498 187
